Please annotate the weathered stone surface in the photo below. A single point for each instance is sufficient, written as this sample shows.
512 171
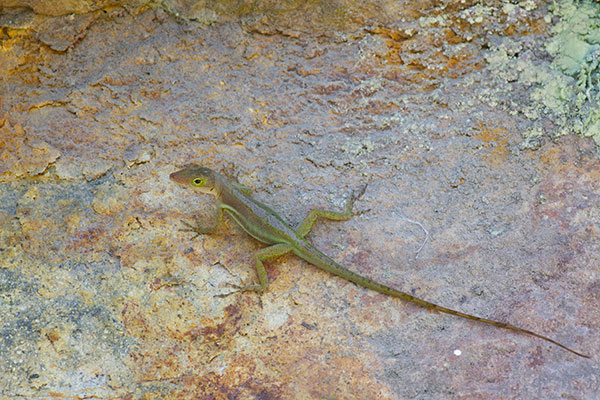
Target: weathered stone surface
56 8
102 295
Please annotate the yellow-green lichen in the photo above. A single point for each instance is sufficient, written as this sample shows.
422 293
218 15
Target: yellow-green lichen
570 92
566 87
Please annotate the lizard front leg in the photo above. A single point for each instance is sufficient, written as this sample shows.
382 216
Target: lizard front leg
201 229
230 171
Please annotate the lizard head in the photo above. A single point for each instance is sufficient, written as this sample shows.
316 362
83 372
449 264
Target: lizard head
199 178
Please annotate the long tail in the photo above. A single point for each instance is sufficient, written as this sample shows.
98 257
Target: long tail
426 304
322 261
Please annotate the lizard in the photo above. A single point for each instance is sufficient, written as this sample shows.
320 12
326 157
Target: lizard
264 224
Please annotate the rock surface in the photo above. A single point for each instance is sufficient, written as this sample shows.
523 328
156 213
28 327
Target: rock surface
102 295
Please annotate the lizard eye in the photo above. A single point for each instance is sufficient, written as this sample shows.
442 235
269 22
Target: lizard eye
198 181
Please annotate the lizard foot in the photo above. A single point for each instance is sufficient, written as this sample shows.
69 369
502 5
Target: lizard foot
354 196
241 289
198 229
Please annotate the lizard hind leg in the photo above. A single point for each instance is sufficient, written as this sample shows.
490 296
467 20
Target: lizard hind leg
307 223
261 255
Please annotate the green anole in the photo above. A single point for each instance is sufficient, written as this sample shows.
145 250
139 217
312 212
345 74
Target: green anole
265 225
